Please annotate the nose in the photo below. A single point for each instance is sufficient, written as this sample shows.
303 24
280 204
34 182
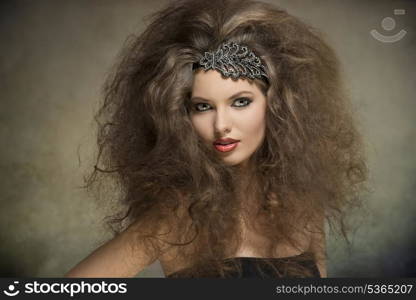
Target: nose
223 123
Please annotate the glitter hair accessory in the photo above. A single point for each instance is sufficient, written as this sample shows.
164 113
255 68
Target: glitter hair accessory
234 60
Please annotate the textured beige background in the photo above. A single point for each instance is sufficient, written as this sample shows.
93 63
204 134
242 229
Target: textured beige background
54 56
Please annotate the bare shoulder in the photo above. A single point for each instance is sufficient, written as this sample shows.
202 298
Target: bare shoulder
125 255
118 257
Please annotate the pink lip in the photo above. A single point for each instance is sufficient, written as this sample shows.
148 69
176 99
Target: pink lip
225 140
226 148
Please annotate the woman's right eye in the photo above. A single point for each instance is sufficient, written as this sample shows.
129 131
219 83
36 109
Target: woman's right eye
201 106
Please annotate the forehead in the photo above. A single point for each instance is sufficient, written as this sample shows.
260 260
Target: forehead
212 85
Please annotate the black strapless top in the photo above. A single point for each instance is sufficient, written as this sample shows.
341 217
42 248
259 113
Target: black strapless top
255 267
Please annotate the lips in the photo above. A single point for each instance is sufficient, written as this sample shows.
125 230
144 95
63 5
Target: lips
226 144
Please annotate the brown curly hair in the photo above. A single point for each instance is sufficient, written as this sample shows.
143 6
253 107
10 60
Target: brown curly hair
175 190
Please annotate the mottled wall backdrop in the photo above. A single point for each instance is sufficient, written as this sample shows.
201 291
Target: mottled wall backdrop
54 56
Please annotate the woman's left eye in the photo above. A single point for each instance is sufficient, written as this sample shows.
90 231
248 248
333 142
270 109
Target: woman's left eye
241 102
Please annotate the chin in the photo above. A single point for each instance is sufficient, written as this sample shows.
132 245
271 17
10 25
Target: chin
231 162
235 162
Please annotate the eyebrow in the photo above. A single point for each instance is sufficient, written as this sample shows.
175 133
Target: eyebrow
231 97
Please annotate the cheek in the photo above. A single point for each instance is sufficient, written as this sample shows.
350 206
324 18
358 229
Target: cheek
255 125
201 126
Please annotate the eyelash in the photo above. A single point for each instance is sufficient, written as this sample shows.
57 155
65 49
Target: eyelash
247 103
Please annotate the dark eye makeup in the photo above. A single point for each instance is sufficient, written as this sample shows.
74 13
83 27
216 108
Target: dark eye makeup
239 102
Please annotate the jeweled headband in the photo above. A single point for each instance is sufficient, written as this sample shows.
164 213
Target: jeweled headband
233 60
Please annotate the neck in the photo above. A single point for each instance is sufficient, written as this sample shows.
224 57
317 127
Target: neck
246 185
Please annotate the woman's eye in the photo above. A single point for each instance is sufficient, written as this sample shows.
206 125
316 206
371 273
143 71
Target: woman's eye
201 106
241 102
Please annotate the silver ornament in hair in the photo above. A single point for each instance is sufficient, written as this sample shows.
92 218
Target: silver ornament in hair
234 60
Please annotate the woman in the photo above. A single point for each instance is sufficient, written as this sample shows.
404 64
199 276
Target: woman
231 142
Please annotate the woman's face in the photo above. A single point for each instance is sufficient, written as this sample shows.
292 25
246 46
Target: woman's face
222 108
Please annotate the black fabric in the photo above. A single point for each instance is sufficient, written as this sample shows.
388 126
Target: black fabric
255 267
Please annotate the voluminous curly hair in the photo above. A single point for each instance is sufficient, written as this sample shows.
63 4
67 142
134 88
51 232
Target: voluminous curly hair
176 192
